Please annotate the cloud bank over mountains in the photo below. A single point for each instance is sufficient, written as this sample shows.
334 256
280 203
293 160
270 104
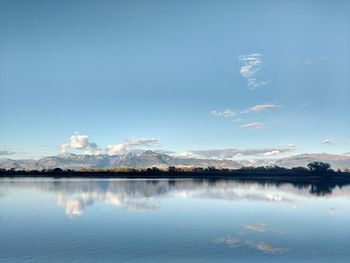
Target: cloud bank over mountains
79 152
81 142
234 153
81 145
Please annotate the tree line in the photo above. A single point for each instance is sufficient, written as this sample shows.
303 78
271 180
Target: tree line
315 169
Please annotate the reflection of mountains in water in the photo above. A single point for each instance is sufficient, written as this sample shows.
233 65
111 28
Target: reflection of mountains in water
147 188
142 195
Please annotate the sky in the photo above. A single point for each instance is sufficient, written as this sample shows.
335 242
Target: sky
192 78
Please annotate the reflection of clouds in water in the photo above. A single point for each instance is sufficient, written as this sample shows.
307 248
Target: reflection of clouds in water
295 206
76 194
232 242
130 205
225 189
274 197
269 249
332 210
75 205
134 194
234 194
336 210
262 246
257 227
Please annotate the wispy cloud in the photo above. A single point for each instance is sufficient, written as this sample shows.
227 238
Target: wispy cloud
333 142
237 115
227 113
7 151
253 125
308 61
252 64
260 108
270 153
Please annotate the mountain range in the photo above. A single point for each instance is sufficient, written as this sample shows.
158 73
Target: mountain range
161 160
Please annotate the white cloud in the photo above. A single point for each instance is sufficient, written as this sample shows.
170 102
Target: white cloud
227 113
189 154
261 107
115 148
273 152
131 143
142 141
252 63
328 141
291 145
80 142
253 125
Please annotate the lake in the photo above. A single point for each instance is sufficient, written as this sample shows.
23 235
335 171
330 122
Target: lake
111 220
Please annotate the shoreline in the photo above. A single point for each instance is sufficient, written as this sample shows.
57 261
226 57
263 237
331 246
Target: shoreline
262 177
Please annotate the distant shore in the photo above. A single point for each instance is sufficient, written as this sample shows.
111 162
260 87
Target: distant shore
285 175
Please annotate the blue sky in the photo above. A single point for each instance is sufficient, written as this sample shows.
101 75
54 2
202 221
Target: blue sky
180 76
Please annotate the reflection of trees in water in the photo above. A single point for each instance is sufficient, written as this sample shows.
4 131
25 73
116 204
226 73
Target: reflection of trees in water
153 188
144 195
322 188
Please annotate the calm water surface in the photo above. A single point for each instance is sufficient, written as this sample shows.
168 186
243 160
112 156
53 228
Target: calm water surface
48 220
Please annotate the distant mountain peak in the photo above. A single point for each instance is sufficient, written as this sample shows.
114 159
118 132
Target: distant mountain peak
150 153
66 154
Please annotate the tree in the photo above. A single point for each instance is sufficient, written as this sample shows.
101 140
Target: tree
319 167
57 170
172 169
